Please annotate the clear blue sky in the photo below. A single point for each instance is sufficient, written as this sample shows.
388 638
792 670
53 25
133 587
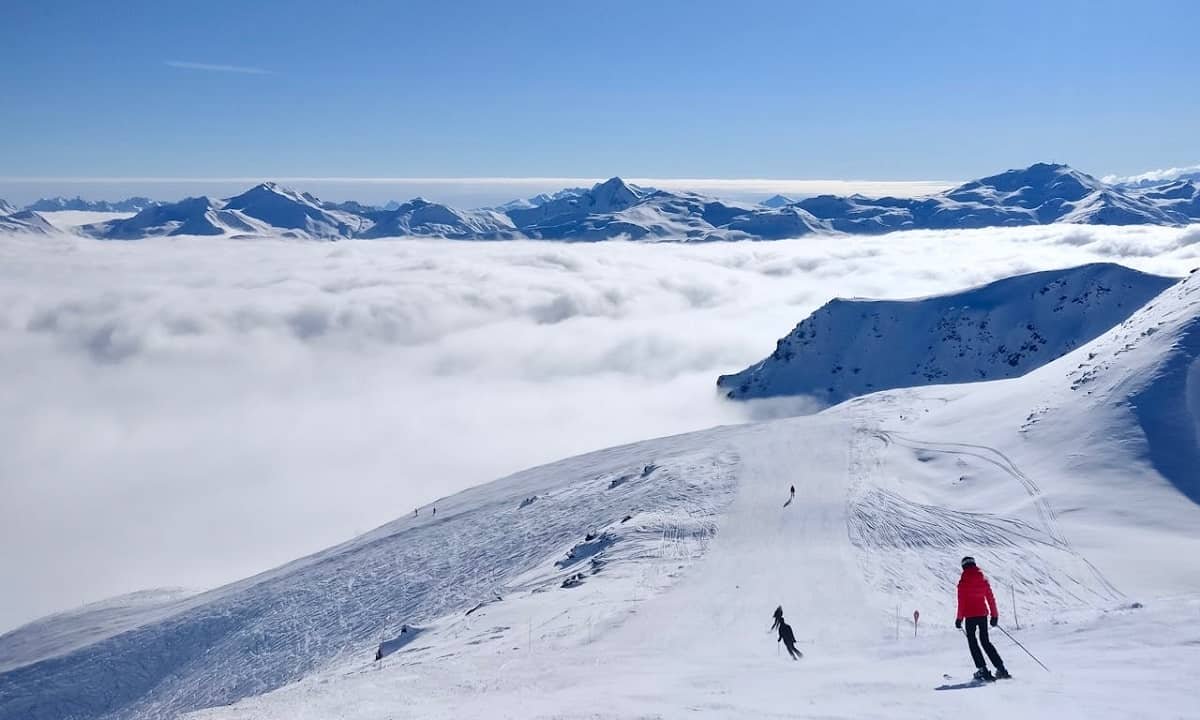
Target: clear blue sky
879 90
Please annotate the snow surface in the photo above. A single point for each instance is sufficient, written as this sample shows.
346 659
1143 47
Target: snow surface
777 201
69 220
1001 330
78 204
1039 194
639 581
64 632
25 221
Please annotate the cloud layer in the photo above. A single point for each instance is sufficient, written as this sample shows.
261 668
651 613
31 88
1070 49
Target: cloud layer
182 65
186 412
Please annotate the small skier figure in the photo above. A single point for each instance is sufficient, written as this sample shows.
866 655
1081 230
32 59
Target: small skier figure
435 512
975 604
785 634
791 496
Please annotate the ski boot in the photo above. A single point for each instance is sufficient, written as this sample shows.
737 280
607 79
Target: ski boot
1002 674
984 675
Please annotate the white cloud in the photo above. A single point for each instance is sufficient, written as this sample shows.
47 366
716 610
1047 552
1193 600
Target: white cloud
1163 175
189 411
217 68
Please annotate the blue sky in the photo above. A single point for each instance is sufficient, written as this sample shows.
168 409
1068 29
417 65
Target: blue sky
886 90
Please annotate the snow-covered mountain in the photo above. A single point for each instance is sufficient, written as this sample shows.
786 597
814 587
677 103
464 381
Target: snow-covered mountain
1001 330
6 208
56 204
1037 195
777 201
539 199
25 221
603 582
263 209
287 209
190 216
1180 197
353 207
420 218
1040 194
616 209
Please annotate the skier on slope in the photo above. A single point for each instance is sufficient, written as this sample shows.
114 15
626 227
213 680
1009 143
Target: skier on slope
791 496
785 634
975 604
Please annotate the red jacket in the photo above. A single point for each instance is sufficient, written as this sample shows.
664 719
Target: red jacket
975 595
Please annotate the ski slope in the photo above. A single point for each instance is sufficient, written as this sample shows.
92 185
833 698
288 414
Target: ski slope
639 581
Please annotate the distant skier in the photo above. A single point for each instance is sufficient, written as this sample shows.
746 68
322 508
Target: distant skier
791 496
785 634
975 604
435 512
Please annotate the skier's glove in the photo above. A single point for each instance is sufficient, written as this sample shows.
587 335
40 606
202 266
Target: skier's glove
958 623
995 621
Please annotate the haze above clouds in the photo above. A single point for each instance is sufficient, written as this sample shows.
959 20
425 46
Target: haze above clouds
187 412
459 192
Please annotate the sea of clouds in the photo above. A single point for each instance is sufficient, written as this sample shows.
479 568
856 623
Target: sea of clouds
185 412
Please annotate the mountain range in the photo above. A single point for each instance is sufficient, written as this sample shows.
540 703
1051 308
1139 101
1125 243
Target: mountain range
1000 330
1037 195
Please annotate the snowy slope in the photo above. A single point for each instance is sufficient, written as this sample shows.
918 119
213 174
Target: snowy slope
1001 330
538 200
1181 197
615 209
638 581
420 218
191 216
522 536
777 201
6 208
1048 486
284 208
25 221
1039 194
78 204
63 632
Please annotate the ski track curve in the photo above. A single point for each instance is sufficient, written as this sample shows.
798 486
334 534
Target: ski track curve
910 549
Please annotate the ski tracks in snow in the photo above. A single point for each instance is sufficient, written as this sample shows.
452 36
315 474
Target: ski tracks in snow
911 550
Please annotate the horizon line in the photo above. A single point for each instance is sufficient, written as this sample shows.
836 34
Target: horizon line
450 179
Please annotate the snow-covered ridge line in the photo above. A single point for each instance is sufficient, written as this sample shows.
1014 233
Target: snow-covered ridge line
1001 330
1039 194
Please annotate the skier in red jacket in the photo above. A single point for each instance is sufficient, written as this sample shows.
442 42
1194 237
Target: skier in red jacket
975 604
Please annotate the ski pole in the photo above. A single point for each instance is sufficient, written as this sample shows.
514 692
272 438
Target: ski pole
1018 642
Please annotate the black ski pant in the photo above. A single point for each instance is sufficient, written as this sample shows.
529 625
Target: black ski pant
980 624
792 651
